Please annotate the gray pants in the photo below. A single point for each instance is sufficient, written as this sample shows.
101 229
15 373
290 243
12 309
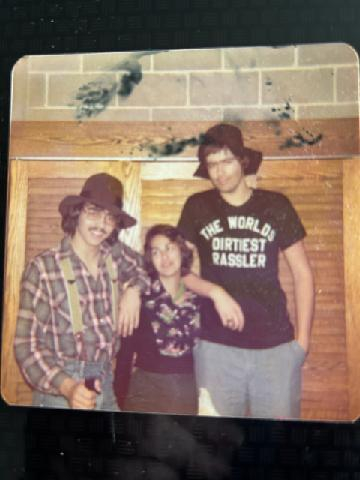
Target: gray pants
78 370
263 383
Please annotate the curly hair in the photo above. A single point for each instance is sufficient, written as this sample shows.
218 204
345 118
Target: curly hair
70 220
174 235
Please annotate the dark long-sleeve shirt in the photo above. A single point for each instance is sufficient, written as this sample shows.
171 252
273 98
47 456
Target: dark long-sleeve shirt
165 338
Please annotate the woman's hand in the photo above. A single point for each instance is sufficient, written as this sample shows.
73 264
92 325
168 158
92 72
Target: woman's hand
129 311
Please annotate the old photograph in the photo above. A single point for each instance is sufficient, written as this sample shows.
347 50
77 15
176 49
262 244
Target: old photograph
181 233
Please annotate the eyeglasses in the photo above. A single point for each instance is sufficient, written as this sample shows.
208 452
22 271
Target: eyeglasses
96 213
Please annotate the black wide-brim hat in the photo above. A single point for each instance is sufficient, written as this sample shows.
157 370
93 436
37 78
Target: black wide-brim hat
227 136
104 191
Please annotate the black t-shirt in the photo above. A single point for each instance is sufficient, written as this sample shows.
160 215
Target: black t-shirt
239 250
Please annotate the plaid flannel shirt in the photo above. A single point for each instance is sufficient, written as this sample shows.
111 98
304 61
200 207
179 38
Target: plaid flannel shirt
44 337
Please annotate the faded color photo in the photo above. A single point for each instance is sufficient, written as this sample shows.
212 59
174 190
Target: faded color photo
181 233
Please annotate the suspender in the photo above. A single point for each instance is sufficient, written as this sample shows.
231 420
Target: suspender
73 294
114 287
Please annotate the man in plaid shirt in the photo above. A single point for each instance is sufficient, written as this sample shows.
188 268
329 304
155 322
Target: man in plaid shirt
67 330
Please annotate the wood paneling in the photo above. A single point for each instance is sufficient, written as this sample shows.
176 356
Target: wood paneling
316 192
14 265
155 193
128 139
352 277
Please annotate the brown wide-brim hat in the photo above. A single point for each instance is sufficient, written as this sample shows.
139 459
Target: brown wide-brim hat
227 136
104 191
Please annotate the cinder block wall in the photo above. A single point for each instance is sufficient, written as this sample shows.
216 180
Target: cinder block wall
232 84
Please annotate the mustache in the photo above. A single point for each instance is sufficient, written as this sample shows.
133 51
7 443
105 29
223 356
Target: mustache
101 230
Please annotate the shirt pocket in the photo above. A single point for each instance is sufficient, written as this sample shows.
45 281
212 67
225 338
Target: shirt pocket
60 315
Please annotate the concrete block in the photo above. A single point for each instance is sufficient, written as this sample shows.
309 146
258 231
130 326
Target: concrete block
258 113
187 114
224 88
158 90
112 61
55 63
111 114
19 89
347 84
63 88
298 86
36 90
207 59
326 54
259 57
350 110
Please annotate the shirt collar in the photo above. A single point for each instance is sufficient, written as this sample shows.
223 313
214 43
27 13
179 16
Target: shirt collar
157 289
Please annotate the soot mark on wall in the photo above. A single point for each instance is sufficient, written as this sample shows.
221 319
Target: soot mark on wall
285 112
93 97
301 139
174 146
276 126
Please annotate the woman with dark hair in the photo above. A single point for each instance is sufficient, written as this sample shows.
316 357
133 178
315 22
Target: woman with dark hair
160 350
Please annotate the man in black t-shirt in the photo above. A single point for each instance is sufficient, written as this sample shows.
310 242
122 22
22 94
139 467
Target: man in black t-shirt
250 364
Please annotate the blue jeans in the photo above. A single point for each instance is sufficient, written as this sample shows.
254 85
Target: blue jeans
79 370
263 383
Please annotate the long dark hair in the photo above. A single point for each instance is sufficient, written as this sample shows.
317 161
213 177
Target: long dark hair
174 235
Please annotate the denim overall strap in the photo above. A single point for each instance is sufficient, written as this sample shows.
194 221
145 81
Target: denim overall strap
72 295
114 287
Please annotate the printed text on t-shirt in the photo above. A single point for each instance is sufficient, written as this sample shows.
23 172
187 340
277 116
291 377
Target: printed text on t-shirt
239 252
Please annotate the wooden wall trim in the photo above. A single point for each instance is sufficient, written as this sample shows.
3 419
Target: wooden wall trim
14 265
351 198
279 139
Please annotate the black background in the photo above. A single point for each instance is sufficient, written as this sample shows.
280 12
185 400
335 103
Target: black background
83 445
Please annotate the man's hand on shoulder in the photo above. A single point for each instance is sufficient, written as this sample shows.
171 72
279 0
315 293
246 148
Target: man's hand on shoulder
129 311
228 309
